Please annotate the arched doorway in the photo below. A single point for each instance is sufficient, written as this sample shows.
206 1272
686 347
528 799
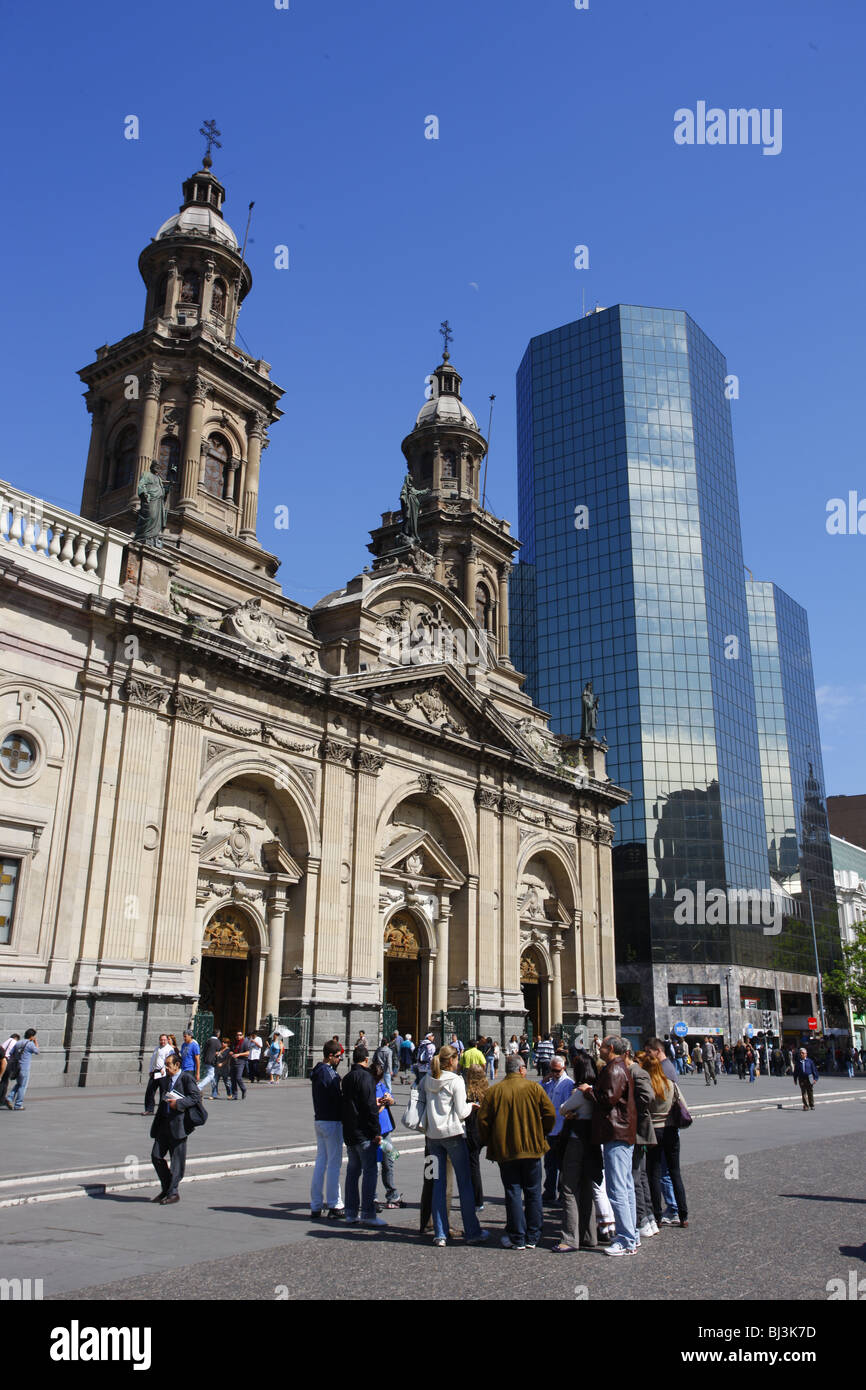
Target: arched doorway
531 984
228 957
402 972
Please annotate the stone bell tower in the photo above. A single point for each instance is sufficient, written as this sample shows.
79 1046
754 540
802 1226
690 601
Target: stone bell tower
459 543
182 393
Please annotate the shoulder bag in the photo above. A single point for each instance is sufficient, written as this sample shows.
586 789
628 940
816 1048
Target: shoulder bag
680 1116
414 1117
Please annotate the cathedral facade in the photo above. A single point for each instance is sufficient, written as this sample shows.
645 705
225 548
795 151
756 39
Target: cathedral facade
214 798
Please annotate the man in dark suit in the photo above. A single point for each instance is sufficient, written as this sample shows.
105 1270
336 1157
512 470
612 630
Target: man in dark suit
178 1092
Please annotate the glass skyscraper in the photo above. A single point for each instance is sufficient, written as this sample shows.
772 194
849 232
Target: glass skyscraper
797 829
632 576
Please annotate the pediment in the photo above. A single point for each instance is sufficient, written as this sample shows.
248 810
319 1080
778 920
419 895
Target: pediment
437 697
241 850
417 853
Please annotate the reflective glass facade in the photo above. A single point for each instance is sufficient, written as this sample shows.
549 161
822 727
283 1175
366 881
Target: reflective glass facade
624 413
797 829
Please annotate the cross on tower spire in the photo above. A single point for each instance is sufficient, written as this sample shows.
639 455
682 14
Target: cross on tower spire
210 133
447 337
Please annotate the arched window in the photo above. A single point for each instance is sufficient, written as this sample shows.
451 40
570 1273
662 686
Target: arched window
483 608
218 298
125 456
168 456
190 290
217 472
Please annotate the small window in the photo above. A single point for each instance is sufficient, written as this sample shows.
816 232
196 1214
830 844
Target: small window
18 755
218 299
125 455
190 290
168 456
483 608
161 292
217 470
9 873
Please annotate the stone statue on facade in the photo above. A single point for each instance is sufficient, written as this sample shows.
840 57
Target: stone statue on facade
589 716
410 505
153 508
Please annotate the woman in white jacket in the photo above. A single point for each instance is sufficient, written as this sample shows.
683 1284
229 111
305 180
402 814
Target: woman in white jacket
446 1110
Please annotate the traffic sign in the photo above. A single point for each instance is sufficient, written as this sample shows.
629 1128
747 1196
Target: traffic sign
680 1030
750 1032
813 1024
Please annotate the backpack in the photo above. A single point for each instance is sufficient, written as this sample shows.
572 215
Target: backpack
13 1065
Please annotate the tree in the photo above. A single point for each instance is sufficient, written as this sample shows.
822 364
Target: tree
848 980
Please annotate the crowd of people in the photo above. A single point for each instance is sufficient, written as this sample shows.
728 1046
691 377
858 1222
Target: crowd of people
748 1058
603 1147
230 1061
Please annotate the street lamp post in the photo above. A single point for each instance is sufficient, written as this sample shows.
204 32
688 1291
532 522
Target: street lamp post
728 992
817 962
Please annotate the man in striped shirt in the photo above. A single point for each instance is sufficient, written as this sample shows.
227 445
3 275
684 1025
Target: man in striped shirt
544 1051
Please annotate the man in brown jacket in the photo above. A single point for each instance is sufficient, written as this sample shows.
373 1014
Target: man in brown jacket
514 1117
614 1125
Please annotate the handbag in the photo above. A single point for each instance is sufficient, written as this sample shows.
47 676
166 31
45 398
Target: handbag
194 1116
414 1117
680 1115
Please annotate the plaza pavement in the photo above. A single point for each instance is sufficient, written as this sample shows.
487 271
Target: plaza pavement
76 1182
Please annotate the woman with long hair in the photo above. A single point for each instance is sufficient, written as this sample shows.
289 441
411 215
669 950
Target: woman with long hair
580 1162
667 1145
447 1109
477 1087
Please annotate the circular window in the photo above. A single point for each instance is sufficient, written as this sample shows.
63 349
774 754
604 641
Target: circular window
18 755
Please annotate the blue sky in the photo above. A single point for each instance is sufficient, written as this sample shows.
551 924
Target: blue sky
555 129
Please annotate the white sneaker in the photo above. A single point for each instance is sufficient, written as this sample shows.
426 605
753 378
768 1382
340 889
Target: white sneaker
670 1220
648 1228
616 1249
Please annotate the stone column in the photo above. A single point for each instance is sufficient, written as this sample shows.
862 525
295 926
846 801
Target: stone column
588 850
201 896
198 391
277 906
331 928
470 575
311 902
93 474
172 289
509 913
556 949
178 866
152 384
487 963
250 501
607 953
437 465
440 965
124 909
504 572
67 939
366 948
207 289
439 571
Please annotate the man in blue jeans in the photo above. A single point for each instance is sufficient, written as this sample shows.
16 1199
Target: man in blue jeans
614 1126
513 1121
22 1055
361 1133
